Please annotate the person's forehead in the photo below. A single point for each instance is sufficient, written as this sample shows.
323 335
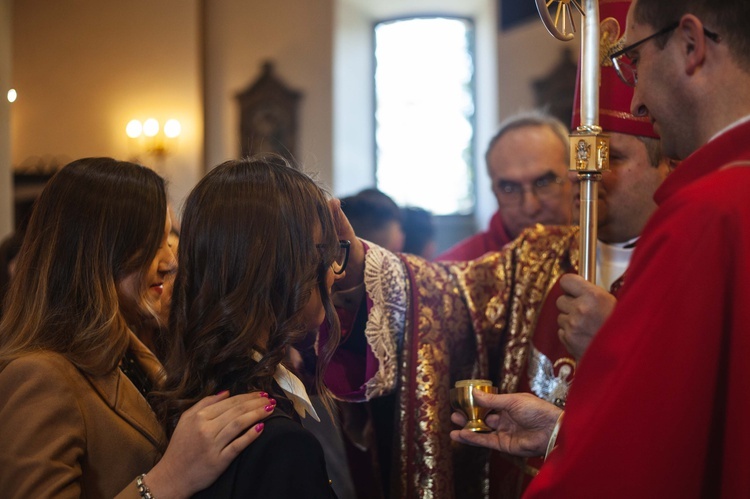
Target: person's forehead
634 31
527 133
618 139
527 152
628 147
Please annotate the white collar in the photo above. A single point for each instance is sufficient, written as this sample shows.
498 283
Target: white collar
733 125
292 388
629 244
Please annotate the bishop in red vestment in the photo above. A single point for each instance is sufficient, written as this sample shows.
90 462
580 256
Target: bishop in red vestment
660 401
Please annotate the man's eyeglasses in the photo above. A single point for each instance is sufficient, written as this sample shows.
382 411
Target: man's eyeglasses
627 68
544 188
342 257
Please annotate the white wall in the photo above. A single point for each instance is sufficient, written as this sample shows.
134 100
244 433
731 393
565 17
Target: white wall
296 35
84 68
353 90
524 54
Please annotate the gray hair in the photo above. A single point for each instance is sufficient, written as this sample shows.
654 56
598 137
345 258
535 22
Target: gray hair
531 119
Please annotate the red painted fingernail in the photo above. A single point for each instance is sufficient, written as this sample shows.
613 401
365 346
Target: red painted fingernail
272 401
259 427
270 407
263 394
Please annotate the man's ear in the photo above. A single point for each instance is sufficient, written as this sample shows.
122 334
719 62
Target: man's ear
693 42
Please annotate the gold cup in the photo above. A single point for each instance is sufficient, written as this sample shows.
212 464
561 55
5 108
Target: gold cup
462 400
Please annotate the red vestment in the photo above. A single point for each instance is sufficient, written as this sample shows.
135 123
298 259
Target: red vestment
661 397
493 239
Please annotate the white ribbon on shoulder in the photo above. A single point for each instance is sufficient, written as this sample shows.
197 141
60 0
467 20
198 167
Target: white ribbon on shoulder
293 389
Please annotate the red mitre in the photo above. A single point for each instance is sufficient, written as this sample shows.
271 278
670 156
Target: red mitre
614 95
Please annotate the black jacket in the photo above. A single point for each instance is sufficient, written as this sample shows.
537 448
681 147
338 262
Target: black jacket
285 462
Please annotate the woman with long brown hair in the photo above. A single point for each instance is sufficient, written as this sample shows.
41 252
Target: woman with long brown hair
73 419
258 256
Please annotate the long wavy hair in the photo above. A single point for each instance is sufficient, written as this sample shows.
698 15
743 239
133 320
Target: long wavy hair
248 265
97 221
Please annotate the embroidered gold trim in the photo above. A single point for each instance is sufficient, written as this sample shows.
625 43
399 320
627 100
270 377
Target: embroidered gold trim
386 285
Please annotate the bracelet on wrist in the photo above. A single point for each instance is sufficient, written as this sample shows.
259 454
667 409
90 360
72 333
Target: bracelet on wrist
143 489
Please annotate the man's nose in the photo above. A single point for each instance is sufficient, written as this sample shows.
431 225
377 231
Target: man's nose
637 107
530 203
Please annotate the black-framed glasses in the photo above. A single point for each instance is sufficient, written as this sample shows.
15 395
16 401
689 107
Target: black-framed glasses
342 257
544 188
627 68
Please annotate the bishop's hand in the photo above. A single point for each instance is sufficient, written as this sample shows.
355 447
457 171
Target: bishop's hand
355 268
583 309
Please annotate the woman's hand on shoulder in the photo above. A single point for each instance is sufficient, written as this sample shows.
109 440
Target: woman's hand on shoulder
208 437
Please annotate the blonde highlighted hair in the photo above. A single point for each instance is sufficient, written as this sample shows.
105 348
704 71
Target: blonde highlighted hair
97 220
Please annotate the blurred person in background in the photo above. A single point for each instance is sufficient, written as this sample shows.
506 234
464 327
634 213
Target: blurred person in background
527 162
419 232
375 217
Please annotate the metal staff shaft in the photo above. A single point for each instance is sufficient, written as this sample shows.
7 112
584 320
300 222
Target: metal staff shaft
590 65
588 223
589 163
589 147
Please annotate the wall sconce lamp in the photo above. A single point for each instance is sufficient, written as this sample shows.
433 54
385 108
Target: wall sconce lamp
153 139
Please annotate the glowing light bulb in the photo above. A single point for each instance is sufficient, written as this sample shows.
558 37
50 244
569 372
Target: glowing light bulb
134 129
172 128
12 95
150 127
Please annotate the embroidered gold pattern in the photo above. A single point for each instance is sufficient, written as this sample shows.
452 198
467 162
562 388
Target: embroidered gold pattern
471 319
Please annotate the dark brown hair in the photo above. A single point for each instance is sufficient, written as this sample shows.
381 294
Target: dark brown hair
97 220
248 265
729 18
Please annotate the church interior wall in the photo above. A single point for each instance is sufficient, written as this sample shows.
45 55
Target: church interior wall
84 68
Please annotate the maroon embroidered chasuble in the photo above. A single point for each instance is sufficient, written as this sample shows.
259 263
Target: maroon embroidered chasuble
431 324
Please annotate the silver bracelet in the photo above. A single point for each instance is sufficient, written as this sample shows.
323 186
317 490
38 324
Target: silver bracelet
553 436
143 489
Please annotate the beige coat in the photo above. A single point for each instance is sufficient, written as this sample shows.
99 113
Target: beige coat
64 434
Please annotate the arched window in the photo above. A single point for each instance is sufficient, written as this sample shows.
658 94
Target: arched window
424 112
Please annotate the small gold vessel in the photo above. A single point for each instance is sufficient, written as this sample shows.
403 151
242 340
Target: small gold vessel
462 400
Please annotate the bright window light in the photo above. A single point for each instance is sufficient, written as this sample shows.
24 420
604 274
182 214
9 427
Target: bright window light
424 115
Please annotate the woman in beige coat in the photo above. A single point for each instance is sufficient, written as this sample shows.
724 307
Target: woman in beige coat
74 420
